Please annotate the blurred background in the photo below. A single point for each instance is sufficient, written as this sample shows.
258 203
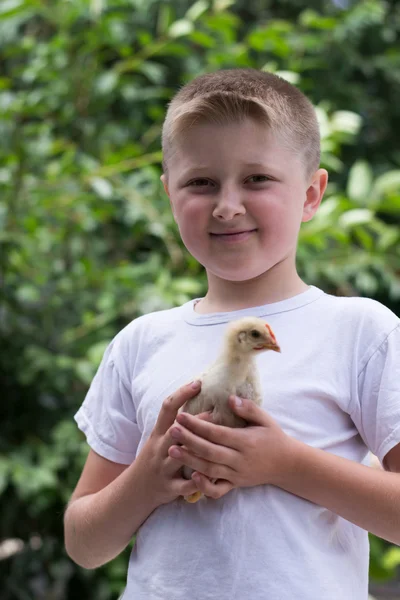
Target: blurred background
87 241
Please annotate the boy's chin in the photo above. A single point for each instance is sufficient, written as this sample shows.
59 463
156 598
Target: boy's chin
235 275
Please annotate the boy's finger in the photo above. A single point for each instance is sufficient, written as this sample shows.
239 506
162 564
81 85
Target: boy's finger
205 416
172 467
250 412
172 404
212 489
183 487
218 434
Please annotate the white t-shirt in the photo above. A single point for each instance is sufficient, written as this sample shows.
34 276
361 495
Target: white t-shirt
335 386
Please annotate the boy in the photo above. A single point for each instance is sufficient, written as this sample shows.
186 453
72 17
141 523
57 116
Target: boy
288 514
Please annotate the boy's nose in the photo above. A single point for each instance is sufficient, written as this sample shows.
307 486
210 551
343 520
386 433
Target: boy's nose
228 206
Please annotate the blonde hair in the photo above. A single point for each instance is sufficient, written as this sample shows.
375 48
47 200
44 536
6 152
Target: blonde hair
232 95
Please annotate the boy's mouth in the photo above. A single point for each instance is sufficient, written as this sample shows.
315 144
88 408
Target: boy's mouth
233 236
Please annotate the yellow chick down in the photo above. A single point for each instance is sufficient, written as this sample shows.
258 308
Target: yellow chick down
233 373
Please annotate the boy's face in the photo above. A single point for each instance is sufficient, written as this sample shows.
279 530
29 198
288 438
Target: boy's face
239 197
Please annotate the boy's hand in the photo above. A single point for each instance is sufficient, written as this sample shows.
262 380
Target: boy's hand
161 472
260 453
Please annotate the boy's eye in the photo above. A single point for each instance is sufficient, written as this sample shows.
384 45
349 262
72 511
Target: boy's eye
258 178
200 183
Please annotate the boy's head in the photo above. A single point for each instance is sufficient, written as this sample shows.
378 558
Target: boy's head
241 157
230 96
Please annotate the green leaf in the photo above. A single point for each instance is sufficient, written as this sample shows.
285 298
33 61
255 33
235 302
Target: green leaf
102 187
289 76
180 28
391 558
359 183
196 10
328 208
85 371
367 283
5 83
203 39
347 121
389 238
387 183
257 39
28 294
165 18
4 474
221 5
310 18
96 352
9 8
186 285
364 237
153 71
357 216
107 82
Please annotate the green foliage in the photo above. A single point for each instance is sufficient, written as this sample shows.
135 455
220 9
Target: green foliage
87 238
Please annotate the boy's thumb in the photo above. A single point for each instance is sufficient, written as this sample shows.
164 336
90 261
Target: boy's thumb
248 410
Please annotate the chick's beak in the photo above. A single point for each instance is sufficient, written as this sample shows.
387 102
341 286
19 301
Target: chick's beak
268 346
273 347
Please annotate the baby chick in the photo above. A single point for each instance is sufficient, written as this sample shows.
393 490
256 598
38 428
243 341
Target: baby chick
233 373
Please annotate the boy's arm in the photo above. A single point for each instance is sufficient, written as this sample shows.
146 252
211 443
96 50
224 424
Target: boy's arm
106 508
391 462
112 501
263 454
369 498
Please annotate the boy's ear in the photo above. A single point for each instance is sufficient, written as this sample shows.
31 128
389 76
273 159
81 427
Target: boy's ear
164 181
314 194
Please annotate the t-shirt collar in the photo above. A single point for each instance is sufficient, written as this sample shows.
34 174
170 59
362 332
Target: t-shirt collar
302 299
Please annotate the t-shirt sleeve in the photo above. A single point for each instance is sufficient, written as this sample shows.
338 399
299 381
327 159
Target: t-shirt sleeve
377 410
107 416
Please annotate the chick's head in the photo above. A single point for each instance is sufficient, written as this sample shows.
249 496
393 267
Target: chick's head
251 334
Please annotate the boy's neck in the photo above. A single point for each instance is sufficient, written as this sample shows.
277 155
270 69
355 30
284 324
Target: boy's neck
228 296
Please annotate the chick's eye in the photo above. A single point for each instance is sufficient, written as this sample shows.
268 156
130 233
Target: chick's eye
255 334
